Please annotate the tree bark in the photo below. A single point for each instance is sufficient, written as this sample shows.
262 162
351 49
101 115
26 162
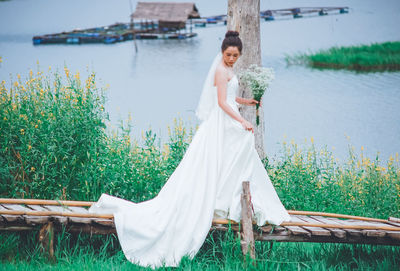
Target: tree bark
244 17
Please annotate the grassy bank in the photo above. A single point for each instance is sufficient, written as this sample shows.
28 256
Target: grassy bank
374 57
55 144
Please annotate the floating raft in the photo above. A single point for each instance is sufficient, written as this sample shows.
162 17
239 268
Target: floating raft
119 32
273 14
111 34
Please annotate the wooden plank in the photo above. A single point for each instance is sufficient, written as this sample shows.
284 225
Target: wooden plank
336 232
10 218
393 235
374 233
367 232
81 210
104 222
297 231
59 219
314 230
15 228
352 232
30 220
271 228
90 229
329 239
39 208
392 223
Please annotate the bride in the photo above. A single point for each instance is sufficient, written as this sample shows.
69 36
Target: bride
207 182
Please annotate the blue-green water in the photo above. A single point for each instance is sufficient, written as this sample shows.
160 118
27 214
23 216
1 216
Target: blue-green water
164 79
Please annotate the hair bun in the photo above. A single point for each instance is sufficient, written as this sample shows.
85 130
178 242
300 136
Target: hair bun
231 34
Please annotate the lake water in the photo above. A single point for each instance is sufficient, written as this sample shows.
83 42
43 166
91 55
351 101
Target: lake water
164 79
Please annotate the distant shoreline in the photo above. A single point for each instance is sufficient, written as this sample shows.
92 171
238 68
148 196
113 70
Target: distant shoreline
363 58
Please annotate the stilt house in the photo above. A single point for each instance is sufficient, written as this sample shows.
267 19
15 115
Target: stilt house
169 16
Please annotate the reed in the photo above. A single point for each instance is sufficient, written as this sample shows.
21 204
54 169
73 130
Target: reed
364 58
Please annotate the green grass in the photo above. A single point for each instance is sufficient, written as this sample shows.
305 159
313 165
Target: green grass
364 58
219 252
55 144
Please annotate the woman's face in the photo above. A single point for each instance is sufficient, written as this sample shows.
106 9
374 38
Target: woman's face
230 55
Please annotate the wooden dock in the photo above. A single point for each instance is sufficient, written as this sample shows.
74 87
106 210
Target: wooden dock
50 216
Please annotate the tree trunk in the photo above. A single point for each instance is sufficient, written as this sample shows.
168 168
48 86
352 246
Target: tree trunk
244 17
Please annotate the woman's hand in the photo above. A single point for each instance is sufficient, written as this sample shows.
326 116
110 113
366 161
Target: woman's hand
247 126
253 102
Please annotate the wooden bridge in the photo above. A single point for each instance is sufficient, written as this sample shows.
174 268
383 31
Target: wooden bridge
51 215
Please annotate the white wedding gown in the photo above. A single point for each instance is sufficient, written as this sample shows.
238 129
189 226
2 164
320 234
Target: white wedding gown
206 184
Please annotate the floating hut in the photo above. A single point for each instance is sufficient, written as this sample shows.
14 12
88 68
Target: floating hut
166 16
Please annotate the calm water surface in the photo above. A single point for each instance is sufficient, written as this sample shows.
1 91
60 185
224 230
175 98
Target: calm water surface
164 79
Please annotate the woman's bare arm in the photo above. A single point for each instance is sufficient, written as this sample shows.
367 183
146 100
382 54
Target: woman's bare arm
221 81
247 101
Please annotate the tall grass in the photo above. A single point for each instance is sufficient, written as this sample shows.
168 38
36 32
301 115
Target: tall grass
308 178
374 57
55 144
220 251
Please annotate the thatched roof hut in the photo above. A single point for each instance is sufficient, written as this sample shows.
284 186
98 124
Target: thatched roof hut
168 14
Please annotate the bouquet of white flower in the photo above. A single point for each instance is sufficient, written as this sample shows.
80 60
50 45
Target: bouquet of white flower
258 80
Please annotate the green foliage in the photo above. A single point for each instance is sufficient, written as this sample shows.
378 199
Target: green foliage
52 136
220 251
375 57
310 179
54 144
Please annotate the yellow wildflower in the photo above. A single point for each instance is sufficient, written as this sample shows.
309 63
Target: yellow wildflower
77 76
33 169
22 131
66 71
29 147
379 168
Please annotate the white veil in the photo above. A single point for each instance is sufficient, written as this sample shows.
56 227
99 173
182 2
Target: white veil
208 98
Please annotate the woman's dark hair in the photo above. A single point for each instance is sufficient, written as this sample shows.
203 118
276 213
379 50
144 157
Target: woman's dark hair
232 39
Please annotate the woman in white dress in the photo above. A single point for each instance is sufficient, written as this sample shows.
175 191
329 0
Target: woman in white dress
207 182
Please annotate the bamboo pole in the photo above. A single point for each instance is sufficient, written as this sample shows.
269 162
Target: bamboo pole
53 213
293 212
46 202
